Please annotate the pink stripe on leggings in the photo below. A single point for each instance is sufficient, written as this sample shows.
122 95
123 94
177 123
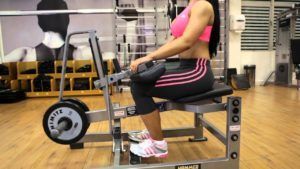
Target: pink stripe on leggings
186 73
184 82
186 77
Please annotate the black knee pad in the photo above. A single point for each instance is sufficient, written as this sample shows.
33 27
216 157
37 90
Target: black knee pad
148 72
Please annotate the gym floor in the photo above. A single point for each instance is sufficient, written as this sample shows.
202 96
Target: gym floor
270 134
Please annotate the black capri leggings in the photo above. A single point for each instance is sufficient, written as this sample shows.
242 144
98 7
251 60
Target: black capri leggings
193 76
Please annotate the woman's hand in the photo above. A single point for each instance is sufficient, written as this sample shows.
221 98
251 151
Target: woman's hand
134 65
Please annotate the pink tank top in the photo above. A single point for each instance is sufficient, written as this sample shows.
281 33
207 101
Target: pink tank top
180 23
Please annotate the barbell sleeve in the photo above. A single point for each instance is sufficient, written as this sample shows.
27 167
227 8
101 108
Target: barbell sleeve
59 129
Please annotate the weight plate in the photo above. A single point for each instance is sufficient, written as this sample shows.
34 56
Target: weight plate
71 111
79 103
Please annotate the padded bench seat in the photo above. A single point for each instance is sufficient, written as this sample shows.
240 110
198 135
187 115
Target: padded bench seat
219 89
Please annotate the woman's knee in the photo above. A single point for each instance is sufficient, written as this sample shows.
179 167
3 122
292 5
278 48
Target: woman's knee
138 89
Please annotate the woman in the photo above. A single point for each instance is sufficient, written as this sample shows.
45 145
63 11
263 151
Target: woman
196 34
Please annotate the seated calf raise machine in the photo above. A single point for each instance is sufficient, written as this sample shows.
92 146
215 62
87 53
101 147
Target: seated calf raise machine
67 121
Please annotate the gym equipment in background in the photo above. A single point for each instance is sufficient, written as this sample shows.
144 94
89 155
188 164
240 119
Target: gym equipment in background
67 121
240 82
283 72
42 83
295 52
11 96
287 47
250 74
237 81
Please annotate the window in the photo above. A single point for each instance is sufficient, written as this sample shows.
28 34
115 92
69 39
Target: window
258 23
256 35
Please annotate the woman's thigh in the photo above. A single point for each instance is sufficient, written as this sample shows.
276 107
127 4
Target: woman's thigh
182 86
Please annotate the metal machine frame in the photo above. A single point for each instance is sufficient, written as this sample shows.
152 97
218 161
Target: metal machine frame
113 113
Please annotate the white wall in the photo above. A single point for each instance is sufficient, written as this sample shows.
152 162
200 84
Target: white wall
234 60
264 61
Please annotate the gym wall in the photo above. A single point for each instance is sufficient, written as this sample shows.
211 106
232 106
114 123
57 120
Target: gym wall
261 55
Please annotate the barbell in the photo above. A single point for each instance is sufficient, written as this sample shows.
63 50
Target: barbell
169 10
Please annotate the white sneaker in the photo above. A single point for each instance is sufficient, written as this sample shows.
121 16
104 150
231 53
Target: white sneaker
138 136
150 148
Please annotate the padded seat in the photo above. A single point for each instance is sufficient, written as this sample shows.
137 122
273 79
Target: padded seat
219 89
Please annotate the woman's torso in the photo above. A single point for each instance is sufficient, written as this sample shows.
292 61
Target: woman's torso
201 48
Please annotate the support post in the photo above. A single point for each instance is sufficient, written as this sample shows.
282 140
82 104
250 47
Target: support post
198 137
1 45
233 109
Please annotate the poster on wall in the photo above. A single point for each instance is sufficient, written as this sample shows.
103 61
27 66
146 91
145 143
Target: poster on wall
42 38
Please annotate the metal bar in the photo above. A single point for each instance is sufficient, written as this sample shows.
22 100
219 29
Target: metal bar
54 12
135 17
139 44
180 132
226 45
137 26
1 45
135 53
146 10
168 133
134 35
199 126
64 65
97 116
96 137
117 152
156 23
72 12
199 109
143 28
109 107
65 58
255 3
215 163
271 30
118 142
214 130
114 26
98 61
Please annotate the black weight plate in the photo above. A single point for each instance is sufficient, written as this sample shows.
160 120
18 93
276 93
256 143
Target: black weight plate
79 103
77 112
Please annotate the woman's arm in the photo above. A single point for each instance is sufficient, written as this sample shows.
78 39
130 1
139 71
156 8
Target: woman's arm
199 19
171 39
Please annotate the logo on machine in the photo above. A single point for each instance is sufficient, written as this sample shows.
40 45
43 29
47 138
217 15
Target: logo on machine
131 110
192 166
119 113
